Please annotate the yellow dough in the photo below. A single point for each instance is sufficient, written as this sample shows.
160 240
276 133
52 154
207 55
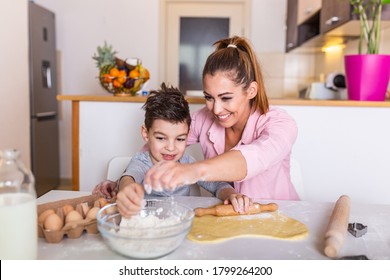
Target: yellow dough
270 225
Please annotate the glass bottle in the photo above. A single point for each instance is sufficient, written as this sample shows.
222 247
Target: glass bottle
18 209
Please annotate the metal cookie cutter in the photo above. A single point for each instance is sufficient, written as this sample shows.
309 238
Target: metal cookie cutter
357 229
357 257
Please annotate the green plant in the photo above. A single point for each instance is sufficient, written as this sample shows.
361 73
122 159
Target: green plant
369 12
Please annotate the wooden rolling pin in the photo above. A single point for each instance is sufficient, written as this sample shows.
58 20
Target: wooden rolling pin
337 227
228 210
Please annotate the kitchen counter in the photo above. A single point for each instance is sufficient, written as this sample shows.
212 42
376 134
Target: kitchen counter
375 244
200 100
342 146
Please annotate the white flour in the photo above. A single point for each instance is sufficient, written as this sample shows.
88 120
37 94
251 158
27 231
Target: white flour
138 224
148 236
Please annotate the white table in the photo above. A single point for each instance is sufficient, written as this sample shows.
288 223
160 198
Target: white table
375 244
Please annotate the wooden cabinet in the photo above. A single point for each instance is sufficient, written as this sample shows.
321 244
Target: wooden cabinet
307 8
338 19
334 13
291 25
314 24
302 22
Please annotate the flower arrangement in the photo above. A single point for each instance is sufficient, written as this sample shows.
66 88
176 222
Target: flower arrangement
118 76
369 12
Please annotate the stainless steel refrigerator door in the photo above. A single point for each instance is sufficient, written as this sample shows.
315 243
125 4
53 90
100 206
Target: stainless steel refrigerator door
43 66
43 99
45 153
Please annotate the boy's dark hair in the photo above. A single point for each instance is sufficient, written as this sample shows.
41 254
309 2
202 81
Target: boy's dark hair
167 103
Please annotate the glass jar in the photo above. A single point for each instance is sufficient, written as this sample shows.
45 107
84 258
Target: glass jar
18 209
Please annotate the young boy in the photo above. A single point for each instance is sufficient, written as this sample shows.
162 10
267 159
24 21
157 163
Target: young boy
165 130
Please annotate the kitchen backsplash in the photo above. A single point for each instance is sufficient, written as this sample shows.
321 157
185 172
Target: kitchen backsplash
286 74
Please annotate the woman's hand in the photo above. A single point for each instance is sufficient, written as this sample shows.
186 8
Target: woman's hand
130 199
239 202
106 188
168 175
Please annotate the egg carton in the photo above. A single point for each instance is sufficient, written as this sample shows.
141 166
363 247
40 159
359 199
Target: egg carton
71 229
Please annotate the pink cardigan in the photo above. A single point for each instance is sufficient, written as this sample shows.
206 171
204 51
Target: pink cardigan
266 144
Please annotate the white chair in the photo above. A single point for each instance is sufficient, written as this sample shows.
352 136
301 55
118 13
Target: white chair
117 165
296 177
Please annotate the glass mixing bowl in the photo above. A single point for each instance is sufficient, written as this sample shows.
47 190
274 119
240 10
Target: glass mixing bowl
156 231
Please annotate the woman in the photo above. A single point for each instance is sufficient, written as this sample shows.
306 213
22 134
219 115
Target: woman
243 140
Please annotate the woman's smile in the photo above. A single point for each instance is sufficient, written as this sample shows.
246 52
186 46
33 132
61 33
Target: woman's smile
224 118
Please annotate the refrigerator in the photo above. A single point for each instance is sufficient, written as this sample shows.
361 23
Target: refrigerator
43 102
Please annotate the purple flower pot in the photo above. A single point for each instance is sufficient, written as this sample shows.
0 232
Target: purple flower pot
367 76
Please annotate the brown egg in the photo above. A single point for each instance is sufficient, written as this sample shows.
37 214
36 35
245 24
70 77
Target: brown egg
67 208
111 210
92 213
42 217
73 216
85 208
53 222
102 202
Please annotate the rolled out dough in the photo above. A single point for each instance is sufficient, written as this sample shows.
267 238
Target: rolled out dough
269 225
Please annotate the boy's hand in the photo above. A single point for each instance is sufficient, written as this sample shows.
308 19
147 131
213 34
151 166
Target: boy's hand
130 199
106 188
239 202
